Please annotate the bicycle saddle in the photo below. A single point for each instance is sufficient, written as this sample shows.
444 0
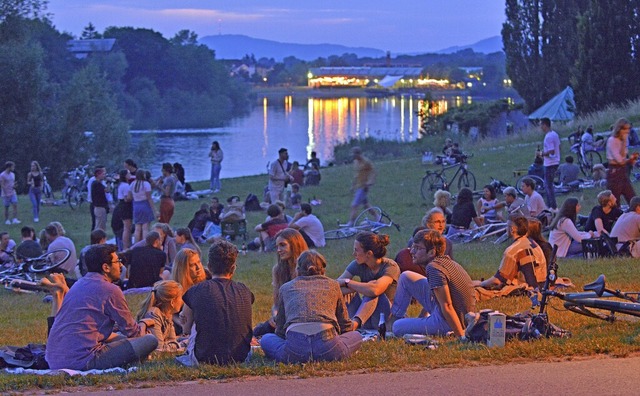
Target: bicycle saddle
597 286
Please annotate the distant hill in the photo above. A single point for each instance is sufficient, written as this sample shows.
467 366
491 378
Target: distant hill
486 46
234 46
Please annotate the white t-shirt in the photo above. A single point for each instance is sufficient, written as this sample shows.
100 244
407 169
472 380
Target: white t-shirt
552 142
123 190
141 194
535 203
312 226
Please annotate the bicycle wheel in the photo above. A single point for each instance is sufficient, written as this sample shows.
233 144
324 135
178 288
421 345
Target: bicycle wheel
49 261
467 180
73 197
341 233
539 184
590 159
47 191
371 215
431 182
602 308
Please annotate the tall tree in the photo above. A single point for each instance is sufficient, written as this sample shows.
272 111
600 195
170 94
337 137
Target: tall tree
23 8
89 32
540 43
606 71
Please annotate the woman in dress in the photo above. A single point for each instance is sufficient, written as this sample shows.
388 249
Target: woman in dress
216 156
312 321
34 180
143 212
289 246
564 232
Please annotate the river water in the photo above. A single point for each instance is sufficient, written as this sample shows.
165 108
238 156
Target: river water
301 125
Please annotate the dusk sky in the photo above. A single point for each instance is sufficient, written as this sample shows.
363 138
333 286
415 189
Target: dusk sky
394 25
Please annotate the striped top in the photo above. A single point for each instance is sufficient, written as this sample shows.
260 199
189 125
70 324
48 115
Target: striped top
444 271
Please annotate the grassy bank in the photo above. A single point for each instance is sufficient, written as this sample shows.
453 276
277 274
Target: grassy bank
397 192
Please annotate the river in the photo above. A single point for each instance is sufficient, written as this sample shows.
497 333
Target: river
301 125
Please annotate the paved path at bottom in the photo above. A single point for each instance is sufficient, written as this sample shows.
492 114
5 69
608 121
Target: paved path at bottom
599 376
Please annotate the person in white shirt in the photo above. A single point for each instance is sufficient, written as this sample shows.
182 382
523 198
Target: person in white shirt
564 232
627 227
617 173
309 226
551 156
533 200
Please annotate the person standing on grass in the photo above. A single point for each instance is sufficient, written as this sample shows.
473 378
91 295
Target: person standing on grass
216 156
35 181
9 195
364 178
551 155
618 172
82 336
99 198
167 204
143 212
279 177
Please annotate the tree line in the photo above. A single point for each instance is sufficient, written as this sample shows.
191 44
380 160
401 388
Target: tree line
64 111
591 45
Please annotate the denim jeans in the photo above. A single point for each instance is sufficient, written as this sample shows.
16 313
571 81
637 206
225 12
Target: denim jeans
215 176
326 345
414 285
35 194
368 309
123 351
550 196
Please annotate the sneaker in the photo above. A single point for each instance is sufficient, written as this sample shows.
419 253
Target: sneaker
8 222
216 191
16 221
35 220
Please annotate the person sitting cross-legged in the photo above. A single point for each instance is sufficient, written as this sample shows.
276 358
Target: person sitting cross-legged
372 295
446 293
82 336
523 256
312 321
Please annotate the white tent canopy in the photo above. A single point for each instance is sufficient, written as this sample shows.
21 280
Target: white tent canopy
559 108
389 81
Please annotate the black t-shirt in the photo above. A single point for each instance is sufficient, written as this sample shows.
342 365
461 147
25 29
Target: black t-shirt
99 195
463 214
222 315
607 219
145 263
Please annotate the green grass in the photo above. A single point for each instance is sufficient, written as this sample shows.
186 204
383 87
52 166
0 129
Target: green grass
397 192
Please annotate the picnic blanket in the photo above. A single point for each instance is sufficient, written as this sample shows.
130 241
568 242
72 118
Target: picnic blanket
116 370
483 294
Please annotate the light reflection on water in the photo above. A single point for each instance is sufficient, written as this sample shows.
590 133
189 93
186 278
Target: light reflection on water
300 125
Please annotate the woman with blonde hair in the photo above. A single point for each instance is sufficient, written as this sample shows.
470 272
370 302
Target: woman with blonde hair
289 246
187 269
156 311
442 200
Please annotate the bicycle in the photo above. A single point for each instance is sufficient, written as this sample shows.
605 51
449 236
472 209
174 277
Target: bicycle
597 301
586 158
437 180
76 189
373 219
47 191
24 276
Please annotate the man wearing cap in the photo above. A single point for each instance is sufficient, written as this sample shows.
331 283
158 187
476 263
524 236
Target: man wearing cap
278 176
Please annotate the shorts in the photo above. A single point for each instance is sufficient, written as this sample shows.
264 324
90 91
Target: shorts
142 212
11 199
360 197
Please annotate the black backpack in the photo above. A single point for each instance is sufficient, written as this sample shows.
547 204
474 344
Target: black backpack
252 203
